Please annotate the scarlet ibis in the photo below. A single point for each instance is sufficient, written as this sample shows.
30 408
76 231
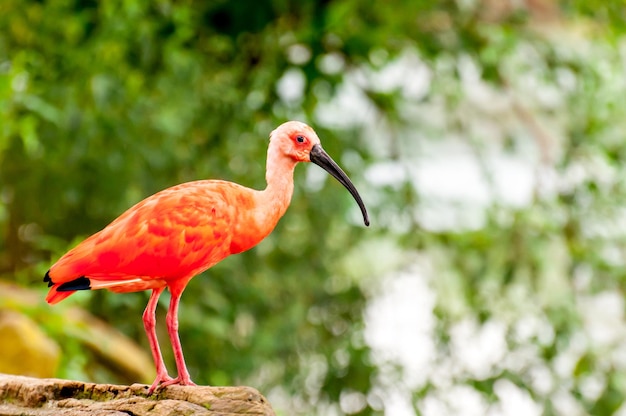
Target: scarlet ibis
175 234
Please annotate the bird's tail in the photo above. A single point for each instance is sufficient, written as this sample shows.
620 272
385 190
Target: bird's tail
59 291
54 296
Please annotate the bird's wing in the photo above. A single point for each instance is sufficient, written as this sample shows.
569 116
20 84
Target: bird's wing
175 233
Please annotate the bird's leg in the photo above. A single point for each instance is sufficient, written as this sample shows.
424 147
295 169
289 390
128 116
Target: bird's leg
172 328
149 323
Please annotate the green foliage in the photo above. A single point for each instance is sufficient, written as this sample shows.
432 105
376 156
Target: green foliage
102 104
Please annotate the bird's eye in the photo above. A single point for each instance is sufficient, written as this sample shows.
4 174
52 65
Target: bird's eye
300 139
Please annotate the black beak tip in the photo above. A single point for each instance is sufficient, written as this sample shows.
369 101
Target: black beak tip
321 158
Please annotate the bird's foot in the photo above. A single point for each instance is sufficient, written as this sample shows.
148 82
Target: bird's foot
165 380
182 381
160 380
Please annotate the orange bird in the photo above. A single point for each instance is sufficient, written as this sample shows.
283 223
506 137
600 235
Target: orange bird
173 235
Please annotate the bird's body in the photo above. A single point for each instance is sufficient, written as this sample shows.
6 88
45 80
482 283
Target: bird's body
173 235
170 236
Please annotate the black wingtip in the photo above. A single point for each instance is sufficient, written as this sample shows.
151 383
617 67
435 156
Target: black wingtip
82 283
48 279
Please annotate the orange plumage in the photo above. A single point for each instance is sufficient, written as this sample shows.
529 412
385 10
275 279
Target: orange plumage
173 235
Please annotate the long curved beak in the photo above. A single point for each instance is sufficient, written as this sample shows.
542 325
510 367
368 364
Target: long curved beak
321 158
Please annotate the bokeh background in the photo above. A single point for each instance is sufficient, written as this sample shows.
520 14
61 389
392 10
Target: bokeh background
487 138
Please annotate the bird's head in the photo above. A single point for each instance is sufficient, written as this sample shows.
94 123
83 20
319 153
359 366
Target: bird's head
295 140
300 143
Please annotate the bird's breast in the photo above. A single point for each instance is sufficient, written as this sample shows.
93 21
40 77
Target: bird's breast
245 242
247 233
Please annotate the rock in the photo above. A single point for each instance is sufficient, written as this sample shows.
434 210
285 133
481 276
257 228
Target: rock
113 353
24 348
47 397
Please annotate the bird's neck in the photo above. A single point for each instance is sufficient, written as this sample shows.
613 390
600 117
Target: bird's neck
275 198
268 205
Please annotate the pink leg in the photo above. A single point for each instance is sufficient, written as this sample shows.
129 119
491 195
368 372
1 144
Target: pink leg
172 328
149 323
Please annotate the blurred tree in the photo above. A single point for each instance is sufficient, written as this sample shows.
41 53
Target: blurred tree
105 103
